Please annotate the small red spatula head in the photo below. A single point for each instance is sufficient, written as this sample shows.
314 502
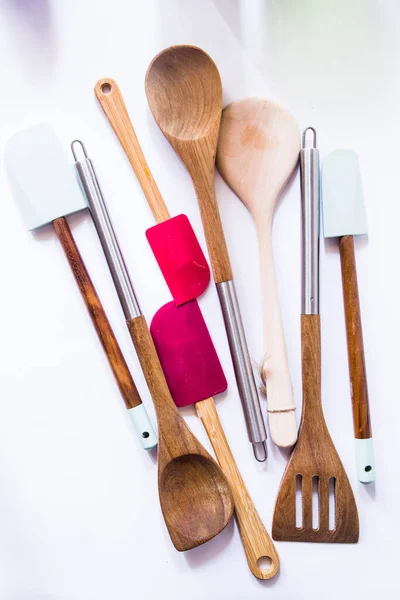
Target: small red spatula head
180 258
187 355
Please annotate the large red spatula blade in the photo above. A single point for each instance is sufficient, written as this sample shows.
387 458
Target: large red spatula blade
187 354
180 258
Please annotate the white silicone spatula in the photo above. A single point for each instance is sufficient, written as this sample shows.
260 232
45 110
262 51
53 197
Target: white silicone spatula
46 191
344 216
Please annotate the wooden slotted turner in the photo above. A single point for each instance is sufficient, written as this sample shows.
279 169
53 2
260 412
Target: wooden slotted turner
315 462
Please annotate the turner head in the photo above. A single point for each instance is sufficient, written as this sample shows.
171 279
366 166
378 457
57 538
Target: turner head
42 179
342 197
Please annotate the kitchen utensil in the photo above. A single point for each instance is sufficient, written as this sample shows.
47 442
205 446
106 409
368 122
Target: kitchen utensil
188 357
314 465
258 150
195 496
344 216
190 363
45 189
173 241
186 352
184 91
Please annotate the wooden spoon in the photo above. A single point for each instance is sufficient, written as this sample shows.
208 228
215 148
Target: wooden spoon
195 496
184 92
258 150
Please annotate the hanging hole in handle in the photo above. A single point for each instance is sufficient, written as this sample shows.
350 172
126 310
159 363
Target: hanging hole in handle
264 563
106 88
145 435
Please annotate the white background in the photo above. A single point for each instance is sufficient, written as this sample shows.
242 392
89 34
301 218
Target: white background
79 512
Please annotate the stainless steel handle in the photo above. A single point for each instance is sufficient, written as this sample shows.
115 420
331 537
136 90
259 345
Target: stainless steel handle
243 369
310 201
108 239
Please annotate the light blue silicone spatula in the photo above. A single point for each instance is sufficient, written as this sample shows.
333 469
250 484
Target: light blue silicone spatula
344 217
46 190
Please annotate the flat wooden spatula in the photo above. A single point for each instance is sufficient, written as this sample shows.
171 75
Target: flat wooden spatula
315 466
194 375
258 150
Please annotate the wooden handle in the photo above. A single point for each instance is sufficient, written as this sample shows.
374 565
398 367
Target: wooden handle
312 415
151 365
355 344
275 367
256 541
110 97
201 169
98 315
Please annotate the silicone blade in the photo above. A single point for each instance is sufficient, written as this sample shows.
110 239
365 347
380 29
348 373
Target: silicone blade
342 197
190 363
180 258
43 181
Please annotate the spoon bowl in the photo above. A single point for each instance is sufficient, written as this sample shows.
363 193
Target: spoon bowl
174 79
258 150
181 484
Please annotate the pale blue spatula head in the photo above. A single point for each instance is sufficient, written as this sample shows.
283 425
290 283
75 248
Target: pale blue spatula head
42 179
342 198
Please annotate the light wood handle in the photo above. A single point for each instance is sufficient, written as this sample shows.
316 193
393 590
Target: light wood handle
110 97
275 367
355 344
99 318
256 541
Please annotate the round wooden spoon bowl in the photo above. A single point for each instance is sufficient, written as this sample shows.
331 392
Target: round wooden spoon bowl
174 79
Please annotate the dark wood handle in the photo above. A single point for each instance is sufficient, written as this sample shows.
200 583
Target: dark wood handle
311 370
99 318
150 363
200 164
355 344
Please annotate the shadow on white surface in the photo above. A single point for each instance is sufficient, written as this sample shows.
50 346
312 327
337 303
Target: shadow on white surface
208 551
30 25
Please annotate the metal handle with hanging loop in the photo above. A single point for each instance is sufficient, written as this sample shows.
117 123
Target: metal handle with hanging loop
310 200
108 239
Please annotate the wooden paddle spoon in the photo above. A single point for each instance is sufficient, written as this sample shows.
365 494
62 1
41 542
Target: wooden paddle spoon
195 496
258 150
184 92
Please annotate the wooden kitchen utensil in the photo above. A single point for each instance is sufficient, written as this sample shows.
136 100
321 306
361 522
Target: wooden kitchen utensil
258 150
344 216
194 494
173 242
189 361
195 374
314 464
184 91
195 497
42 202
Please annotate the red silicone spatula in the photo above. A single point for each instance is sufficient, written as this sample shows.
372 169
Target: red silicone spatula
190 363
173 240
193 373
